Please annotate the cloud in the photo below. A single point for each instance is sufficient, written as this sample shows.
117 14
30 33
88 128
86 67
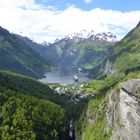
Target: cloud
15 4
47 23
87 1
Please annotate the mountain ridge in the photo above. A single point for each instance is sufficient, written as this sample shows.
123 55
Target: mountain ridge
76 51
85 35
17 56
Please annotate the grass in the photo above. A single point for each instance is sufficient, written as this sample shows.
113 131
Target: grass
96 131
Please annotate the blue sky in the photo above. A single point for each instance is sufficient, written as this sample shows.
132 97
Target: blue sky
119 5
47 20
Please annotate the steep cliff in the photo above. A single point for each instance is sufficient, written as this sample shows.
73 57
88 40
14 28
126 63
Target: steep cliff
114 116
123 114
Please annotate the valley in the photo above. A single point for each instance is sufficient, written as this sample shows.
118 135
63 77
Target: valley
41 100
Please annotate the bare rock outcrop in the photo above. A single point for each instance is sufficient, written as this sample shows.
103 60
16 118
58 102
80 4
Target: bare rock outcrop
109 68
123 114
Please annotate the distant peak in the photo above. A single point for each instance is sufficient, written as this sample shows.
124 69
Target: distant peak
84 34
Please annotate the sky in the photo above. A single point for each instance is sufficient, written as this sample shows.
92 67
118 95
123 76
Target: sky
48 20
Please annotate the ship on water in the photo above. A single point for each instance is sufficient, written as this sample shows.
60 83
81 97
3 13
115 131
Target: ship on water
75 78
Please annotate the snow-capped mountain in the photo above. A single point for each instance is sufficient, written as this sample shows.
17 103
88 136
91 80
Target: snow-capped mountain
84 35
105 36
79 50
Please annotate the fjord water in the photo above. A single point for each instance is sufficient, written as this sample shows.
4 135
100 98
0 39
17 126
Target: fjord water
63 78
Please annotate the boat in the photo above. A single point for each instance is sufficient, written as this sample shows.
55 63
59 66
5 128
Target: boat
75 78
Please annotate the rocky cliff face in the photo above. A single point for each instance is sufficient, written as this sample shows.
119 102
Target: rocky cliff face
123 114
115 116
109 68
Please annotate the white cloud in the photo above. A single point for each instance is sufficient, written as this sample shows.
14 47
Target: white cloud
87 1
46 24
15 3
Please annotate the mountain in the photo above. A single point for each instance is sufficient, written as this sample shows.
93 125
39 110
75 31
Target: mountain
17 56
85 35
79 50
34 45
105 109
83 50
113 112
125 56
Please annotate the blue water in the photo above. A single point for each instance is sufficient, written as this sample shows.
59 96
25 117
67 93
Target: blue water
59 77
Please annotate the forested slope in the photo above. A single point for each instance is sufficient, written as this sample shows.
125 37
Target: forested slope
17 56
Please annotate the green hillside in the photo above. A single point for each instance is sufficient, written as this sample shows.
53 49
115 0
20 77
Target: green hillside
91 53
125 56
26 97
32 87
27 117
101 117
94 122
30 110
18 57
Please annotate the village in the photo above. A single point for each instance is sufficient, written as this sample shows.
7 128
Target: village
76 91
